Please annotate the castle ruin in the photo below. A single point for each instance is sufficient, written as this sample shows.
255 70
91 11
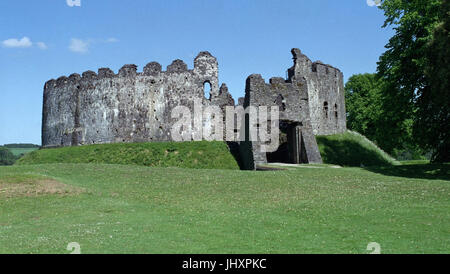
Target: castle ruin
131 106
311 102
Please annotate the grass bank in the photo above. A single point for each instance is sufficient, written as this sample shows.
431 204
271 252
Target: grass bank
352 149
202 155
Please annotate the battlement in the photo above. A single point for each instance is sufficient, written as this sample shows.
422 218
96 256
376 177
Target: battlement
203 62
152 69
89 75
177 66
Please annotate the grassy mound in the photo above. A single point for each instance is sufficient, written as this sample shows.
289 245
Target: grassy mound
352 149
201 155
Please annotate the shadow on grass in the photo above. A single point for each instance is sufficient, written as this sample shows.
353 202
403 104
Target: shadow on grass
416 171
350 153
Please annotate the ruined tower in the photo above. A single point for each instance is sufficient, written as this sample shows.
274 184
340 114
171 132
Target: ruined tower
129 106
326 93
310 101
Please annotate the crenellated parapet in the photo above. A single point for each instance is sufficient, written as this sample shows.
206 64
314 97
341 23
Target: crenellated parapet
205 67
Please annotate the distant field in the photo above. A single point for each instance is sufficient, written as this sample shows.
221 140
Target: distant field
19 151
137 209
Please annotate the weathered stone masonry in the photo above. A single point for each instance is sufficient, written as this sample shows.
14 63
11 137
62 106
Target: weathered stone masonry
291 97
325 91
311 102
133 106
105 107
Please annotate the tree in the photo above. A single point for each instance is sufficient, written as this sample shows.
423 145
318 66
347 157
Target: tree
21 146
366 115
405 69
363 103
6 157
433 117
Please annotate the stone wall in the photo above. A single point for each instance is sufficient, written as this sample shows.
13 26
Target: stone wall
132 106
326 93
129 106
311 102
291 98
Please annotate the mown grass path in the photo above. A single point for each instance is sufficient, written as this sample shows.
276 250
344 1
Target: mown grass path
135 209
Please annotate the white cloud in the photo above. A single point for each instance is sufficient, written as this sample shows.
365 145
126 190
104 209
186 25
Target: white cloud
42 45
79 46
112 40
25 42
73 3
373 3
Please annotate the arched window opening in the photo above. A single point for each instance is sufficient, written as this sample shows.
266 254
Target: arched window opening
281 102
207 89
336 112
325 109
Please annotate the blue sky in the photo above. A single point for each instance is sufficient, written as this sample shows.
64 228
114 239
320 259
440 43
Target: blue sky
45 39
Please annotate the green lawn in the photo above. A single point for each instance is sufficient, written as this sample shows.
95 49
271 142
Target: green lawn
136 209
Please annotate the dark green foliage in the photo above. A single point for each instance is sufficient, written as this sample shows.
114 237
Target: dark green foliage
209 155
352 149
411 97
411 152
21 146
6 157
433 117
363 103
366 115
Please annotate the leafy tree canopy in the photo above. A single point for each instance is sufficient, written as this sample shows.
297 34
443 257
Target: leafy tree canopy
407 68
363 103
6 157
